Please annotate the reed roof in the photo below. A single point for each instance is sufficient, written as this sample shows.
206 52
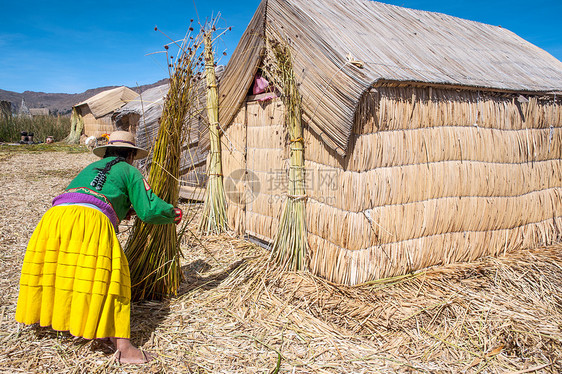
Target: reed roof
148 105
108 101
389 43
39 111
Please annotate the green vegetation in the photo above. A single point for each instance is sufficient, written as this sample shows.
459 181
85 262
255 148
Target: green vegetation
40 126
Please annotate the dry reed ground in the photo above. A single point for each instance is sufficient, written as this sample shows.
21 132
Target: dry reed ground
235 314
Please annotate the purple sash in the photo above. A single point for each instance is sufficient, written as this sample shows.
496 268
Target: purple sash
77 197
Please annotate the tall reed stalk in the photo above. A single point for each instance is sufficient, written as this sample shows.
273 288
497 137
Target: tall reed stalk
214 219
153 251
290 246
40 126
76 128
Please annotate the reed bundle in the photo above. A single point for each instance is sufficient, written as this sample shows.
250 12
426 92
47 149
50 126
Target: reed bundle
290 246
213 219
76 127
153 251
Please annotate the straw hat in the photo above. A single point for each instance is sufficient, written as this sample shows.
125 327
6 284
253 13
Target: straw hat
121 139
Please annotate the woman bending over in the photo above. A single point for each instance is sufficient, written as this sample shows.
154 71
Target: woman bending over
75 276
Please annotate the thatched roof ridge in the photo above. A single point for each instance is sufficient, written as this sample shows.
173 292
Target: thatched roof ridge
148 105
108 101
393 44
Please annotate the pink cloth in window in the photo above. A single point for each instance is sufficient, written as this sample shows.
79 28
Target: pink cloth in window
260 84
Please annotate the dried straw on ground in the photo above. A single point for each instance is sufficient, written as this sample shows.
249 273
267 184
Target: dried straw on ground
234 312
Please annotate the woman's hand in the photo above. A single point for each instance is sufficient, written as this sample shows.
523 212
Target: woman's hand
179 215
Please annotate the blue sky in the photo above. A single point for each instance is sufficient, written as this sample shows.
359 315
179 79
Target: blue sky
69 47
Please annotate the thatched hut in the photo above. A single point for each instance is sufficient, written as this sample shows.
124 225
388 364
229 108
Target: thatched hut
429 139
141 116
97 110
39 112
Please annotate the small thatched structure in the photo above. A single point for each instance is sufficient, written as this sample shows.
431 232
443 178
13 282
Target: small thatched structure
96 111
39 111
429 139
142 115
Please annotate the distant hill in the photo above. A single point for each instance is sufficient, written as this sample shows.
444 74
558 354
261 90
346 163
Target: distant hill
60 103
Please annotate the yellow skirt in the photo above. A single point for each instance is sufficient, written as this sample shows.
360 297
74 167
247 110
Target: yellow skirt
75 276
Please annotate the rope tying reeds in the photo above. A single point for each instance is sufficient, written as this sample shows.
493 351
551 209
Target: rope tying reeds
298 197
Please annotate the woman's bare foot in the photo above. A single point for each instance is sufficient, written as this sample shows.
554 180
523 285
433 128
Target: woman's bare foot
129 354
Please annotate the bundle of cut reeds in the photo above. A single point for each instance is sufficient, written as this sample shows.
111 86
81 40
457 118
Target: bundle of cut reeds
213 219
76 127
152 250
291 245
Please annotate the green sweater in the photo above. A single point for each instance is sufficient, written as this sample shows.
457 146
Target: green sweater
124 186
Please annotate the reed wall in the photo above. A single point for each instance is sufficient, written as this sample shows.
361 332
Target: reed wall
255 142
267 158
195 176
434 176
96 126
233 153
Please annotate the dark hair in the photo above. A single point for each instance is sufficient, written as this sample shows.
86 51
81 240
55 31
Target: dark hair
119 152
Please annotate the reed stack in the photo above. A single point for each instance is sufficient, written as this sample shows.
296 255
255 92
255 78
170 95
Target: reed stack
153 250
289 248
214 219
76 127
